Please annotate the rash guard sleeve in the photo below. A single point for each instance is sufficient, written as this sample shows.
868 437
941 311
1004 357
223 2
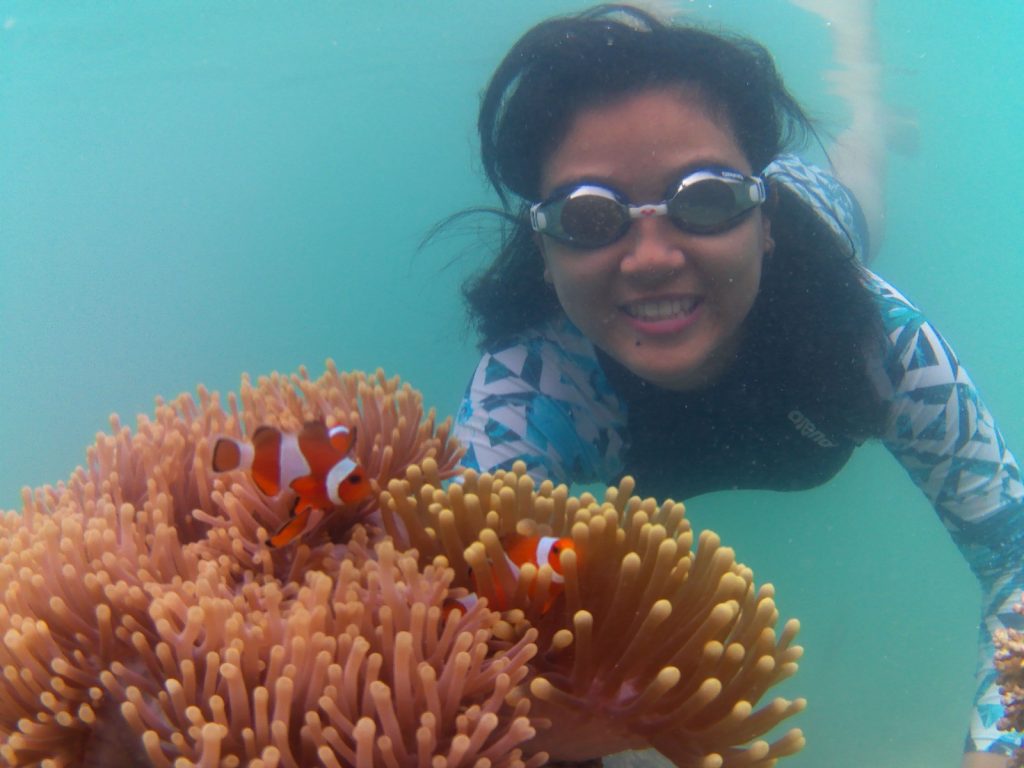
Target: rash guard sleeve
544 400
946 439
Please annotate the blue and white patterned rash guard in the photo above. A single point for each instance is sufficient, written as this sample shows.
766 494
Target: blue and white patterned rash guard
546 399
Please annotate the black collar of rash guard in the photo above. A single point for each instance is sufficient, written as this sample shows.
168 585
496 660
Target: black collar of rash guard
750 430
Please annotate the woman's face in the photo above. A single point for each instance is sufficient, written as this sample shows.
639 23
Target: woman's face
666 304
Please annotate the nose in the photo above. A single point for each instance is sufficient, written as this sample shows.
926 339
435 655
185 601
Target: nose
654 249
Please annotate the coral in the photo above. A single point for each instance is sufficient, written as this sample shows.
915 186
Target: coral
1009 664
146 624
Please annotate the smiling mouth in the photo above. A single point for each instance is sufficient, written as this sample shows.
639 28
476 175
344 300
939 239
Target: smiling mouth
664 309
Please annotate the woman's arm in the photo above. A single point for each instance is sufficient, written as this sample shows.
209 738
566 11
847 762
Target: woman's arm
946 439
983 760
542 400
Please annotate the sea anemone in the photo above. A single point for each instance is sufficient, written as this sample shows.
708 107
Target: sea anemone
146 623
648 644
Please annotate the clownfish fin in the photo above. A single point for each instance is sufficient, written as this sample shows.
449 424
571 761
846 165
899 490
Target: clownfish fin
459 605
342 438
550 602
307 485
292 527
228 454
499 601
314 430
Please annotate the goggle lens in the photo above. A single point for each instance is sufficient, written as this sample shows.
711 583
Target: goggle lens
705 206
593 219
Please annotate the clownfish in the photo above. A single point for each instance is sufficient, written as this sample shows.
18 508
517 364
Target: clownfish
538 551
316 464
460 605
520 550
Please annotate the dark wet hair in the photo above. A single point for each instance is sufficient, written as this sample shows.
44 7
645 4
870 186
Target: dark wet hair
567 64
564 65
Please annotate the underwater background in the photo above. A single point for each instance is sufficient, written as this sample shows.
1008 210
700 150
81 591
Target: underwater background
193 190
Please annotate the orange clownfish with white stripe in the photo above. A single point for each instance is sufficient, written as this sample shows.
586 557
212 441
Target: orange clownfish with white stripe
520 550
316 464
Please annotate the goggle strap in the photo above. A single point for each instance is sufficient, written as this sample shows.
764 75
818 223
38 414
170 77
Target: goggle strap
537 218
759 190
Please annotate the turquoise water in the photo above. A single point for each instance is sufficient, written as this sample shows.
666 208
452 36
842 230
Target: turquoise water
191 190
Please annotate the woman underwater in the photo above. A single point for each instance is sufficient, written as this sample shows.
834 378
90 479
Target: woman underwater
679 298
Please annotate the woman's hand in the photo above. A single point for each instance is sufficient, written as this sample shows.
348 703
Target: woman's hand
984 760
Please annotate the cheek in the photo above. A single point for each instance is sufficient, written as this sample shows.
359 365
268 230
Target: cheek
539 242
744 290
571 276
584 292
572 291
738 277
750 291
750 278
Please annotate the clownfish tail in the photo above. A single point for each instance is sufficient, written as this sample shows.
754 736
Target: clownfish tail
230 454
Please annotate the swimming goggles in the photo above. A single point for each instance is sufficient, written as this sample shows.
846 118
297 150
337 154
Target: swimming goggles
704 202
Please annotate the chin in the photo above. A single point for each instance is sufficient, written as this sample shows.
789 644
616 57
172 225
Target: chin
676 375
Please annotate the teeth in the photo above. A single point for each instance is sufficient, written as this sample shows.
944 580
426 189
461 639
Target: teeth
661 310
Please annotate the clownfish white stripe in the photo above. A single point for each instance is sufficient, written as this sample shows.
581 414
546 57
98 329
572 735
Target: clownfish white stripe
246 455
293 463
462 604
512 565
338 472
340 429
544 552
